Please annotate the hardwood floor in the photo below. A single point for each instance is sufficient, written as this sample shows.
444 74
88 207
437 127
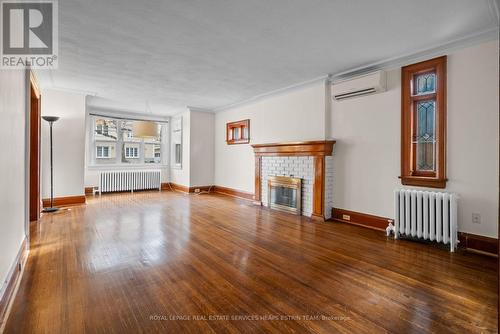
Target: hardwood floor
161 262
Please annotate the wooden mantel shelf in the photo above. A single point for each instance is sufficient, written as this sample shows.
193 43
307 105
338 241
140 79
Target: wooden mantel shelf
317 149
303 148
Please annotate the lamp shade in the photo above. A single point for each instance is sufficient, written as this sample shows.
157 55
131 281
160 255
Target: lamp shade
145 129
50 118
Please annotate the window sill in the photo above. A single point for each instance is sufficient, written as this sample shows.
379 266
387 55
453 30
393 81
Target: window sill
422 181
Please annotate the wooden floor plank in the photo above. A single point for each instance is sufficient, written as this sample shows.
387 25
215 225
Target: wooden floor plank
154 262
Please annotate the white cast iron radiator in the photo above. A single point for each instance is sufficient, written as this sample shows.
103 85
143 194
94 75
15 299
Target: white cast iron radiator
426 215
129 180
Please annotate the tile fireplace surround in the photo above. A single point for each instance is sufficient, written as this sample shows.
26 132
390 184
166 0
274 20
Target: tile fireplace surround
311 161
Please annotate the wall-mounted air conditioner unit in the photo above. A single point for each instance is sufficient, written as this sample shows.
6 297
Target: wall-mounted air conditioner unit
371 83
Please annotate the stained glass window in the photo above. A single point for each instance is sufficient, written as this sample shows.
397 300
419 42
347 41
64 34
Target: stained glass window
423 123
425 83
425 135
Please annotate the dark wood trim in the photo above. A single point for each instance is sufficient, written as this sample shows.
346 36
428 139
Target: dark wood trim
65 201
15 273
178 187
478 243
241 125
34 149
362 219
89 190
184 189
258 192
319 188
305 148
233 192
408 175
202 188
421 181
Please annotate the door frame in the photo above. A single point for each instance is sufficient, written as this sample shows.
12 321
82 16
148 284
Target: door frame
34 147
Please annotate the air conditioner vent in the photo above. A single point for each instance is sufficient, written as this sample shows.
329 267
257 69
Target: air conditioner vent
367 84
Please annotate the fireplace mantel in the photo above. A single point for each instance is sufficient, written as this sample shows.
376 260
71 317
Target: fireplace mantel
318 149
303 148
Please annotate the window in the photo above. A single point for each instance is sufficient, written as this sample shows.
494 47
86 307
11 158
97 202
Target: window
132 152
102 152
177 142
238 132
115 142
178 153
423 124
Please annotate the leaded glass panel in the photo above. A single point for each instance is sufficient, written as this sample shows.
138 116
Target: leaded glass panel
425 137
425 83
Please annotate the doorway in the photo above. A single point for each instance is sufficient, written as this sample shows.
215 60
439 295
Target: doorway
34 171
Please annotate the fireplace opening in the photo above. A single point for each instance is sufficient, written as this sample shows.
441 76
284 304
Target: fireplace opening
284 193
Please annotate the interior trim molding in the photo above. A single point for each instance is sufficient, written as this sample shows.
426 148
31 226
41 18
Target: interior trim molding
183 189
272 93
419 55
393 62
478 243
361 219
89 190
302 148
12 282
177 187
65 201
233 192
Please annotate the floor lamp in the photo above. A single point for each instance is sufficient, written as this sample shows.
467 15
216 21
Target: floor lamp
51 120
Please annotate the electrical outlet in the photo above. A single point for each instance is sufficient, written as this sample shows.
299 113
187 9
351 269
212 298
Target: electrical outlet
346 217
476 218
197 190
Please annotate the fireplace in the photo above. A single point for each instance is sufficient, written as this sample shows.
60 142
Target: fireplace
284 193
310 161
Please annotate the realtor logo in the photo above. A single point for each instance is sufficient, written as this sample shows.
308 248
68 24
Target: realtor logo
29 34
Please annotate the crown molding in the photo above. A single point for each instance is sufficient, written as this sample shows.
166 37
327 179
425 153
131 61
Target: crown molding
272 93
394 62
424 54
191 108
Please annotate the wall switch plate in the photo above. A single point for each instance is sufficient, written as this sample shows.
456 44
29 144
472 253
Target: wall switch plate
197 190
346 217
476 218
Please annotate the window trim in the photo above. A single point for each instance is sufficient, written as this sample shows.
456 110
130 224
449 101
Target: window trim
408 99
102 156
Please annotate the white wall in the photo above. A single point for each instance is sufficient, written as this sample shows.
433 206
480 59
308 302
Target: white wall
69 143
202 152
181 176
12 168
367 152
293 116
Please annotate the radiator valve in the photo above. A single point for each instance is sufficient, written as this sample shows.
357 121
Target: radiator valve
390 228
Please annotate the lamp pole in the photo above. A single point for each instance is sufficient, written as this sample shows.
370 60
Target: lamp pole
51 120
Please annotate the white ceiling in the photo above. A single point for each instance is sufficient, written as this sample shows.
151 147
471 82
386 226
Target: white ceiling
209 54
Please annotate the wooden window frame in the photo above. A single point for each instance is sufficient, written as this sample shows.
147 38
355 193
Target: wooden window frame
241 125
409 176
